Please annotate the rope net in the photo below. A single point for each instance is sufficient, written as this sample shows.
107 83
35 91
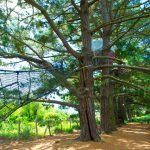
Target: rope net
18 88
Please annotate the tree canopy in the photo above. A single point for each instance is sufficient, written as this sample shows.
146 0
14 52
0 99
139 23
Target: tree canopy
57 36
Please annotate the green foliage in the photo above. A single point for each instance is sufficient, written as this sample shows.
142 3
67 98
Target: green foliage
75 127
74 117
57 130
10 129
68 130
142 119
44 115
52 119
27 33
26 134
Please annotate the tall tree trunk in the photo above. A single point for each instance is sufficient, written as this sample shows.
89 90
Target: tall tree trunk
105 111
115 103
112 119
87 112
105 89
112 105
121 111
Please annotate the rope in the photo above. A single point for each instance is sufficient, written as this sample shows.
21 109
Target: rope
17 88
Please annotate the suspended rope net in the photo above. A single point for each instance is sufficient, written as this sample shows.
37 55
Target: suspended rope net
18 88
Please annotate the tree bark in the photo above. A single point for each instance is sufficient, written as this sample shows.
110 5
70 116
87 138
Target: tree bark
112 119
105 89
87 111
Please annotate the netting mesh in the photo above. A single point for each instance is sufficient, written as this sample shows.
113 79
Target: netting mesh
18 88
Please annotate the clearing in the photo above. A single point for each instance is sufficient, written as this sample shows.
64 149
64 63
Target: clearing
129 137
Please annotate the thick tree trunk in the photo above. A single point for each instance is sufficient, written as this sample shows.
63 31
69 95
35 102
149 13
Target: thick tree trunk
112 119
89 131
115 103
121 112
125 109
105 111
87 112
118 112
112 105
105 89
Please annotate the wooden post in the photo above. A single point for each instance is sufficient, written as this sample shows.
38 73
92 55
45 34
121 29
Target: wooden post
61 126
19 129
70 122
36 128
49 128
45 131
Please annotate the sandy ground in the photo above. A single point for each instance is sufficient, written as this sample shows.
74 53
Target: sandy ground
129 137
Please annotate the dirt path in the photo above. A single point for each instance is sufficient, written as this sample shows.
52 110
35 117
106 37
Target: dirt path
129 137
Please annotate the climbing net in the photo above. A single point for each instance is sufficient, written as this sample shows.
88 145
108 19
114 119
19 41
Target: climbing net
18 88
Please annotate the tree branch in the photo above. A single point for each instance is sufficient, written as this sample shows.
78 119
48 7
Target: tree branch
92 2
22 42
24 57
131 95
118 21
55 29
127 31
142 69
43 45
75 6
126 82
106 57
49 67
56 102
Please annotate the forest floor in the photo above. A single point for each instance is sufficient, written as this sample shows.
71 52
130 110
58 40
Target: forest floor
129 137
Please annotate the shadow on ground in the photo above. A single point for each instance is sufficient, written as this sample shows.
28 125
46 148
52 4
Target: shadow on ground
129 137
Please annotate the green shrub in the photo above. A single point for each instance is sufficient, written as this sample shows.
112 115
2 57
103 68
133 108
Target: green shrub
57 130
97 121
126 121
142 119
0 125
25 134
68 130
76 127
9 135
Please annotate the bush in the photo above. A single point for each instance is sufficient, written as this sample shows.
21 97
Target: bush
25 134
57 130
68 130
76 127
142 119
1 125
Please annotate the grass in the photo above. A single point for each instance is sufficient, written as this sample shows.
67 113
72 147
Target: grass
10 131
142 119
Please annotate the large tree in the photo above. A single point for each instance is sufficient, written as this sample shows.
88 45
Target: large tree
59 33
